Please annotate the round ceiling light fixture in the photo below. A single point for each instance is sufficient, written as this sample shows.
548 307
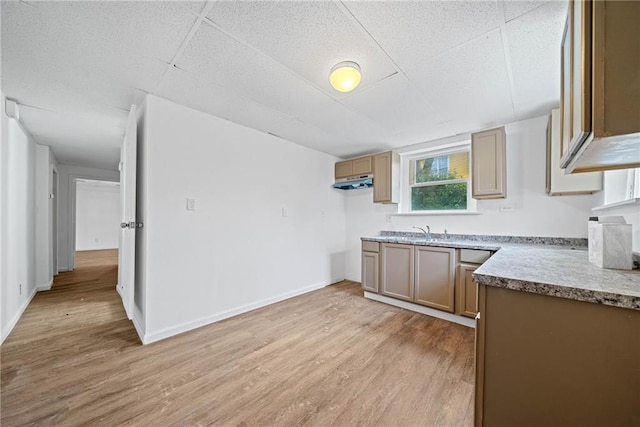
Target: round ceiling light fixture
345 76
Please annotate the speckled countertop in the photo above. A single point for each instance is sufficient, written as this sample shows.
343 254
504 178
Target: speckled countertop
549 266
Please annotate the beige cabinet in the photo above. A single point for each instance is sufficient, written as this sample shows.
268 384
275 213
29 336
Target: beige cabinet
557 182
548 361
467 304
600 97
386 177
488 164
396 271
370 266
435 277
354 167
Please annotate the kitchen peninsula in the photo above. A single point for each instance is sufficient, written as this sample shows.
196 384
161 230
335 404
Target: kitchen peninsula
556 337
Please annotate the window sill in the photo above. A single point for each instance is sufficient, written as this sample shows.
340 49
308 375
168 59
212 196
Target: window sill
434 213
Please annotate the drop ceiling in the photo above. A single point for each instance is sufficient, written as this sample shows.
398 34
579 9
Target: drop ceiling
429 69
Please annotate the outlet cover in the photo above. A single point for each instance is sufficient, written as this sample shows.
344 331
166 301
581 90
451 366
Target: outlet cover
191 204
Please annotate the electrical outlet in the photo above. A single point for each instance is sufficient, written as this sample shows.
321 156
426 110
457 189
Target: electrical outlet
20 288
285 212
388 219
191 204
507 207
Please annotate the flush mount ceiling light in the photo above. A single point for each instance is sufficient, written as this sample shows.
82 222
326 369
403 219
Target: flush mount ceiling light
345 76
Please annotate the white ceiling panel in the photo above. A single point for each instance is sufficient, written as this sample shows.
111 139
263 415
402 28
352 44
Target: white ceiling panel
534 46
395 105
469 85
430 68
80 136
215 57
414 31
514 9
416 136
309 37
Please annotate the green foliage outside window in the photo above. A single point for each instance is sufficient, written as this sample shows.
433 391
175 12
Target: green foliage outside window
445 196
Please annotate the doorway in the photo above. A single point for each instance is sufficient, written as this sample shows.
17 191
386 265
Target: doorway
97 215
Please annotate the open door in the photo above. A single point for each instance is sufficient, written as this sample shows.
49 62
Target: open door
128 225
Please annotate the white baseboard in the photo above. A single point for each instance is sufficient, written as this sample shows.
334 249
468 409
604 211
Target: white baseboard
6 330
46 286
422 309
187 326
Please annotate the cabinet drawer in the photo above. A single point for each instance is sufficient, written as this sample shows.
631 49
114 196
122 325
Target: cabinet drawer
474 256
370 246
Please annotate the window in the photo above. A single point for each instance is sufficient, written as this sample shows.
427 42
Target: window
437 181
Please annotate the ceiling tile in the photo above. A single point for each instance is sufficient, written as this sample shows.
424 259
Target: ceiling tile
416 136
395 105
76 137
413 32
469 85
308 37
513 9
219 59
534 47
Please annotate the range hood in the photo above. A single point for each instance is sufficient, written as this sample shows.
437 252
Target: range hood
354 182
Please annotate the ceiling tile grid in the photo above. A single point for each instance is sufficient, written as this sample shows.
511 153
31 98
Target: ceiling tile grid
307 37
430 68
413 32
531 37
469 84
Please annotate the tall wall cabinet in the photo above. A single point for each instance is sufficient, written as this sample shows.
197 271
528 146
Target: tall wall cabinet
600 87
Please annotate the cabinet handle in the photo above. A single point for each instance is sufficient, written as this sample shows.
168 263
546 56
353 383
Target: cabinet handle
478 316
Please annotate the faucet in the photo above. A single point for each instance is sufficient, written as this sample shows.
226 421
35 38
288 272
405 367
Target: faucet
427 232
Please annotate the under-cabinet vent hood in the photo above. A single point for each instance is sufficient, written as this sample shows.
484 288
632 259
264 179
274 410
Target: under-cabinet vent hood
354 182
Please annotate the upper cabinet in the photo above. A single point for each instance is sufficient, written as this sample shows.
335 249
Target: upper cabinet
386 177
488 164
600 85
558 183
353 167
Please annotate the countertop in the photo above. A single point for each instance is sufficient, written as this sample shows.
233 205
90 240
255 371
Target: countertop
549 266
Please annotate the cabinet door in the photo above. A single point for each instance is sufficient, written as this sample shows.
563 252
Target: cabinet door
362 166
467 291
566 124
488 163
370 270
397 271
344 169
581 73
386 177
434 277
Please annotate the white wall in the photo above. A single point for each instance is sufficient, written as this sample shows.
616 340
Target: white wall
97 215
236 251
535 214
66 206
18 221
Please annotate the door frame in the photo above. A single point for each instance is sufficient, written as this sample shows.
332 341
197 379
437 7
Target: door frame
72 213
54 220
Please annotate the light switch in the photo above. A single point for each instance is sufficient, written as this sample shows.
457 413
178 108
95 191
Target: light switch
285 212
191 204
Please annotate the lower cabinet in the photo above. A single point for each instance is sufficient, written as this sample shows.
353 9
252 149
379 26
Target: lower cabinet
467 290
396 271
370 266
435 277
548 361
425 275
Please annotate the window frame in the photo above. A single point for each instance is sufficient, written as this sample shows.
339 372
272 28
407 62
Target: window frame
406 181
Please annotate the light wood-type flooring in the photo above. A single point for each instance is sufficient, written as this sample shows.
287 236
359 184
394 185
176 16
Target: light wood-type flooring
330 357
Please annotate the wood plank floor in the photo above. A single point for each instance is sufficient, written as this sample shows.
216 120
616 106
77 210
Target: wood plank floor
330 357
